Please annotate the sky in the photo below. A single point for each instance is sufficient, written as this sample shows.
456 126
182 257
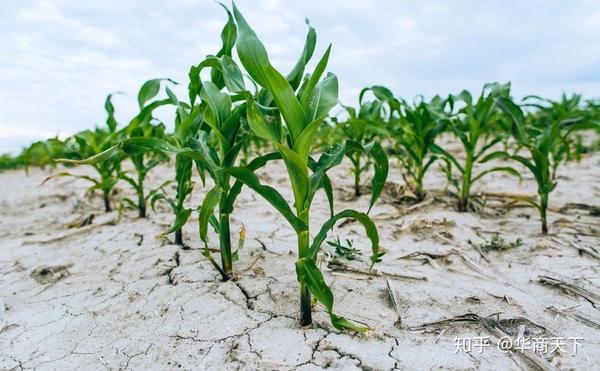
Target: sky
60 58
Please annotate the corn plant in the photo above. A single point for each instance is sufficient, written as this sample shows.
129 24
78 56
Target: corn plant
210 132
188 121
11 162
363 130
470 125
303 111
413 140
91 142
568 110
541 140
142 125
43 153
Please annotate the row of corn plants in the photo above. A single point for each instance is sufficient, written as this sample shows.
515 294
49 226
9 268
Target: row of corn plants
490 128
221 121
241 113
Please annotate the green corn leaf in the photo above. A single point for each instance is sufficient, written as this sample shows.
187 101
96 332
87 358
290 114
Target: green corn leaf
157 197
516 114
487 146
258 124
381 165
269 194
311 276
306 139
66 173
495 155
254 58
295 76
381 92
139 145
105 185
255 164
505 169
324 97
228 35
149 90
211 200
367 223
330 158
189 126
100 157
111 122
550 136
440 151
180 219
145 115
219 103
298 172
314 80
129 180
430 162
234 80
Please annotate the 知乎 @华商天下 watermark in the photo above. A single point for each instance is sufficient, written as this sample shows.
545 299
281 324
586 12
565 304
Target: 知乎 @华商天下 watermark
540 345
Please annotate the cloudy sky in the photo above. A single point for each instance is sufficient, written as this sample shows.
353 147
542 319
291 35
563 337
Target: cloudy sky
59 58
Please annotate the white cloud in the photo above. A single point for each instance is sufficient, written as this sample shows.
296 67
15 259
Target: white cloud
59 58
47 13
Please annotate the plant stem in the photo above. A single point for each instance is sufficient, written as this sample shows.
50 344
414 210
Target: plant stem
305 306
225 240
356 166
463 202
178 237
141 205
106 196
303 251
419 184
543 210
140 194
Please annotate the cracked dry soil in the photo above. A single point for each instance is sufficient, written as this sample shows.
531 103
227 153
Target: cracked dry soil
110 295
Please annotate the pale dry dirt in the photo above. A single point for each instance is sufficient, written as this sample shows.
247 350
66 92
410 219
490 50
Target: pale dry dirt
110 295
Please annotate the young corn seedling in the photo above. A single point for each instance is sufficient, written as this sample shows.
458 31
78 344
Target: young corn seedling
362 130
43 153
303 111
216 147
469 125
413 140
142 125
188 121
90 143
568 110
540 139
145 126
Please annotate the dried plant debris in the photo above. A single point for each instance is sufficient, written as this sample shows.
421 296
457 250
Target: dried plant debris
571 288
336 265
88 220
593 210
432 258
426 225
568 312
395 302
46 274
517 327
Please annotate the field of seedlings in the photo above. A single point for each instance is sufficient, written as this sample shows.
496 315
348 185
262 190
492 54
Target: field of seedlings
267 232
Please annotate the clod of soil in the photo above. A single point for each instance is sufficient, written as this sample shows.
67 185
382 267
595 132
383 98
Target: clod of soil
50 274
